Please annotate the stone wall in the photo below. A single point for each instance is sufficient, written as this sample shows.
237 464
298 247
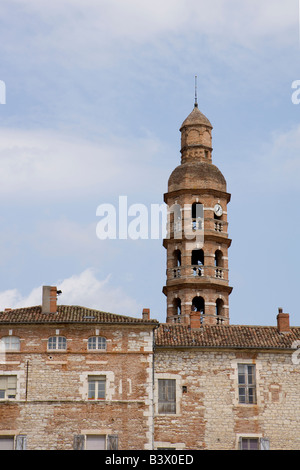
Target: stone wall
208 412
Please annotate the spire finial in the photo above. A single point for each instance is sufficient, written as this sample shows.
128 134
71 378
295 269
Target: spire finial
196 93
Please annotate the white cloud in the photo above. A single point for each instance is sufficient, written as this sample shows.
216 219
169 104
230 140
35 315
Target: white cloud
84 290
82 31
47 164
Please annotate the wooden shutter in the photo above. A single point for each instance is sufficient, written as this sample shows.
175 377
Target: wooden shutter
112 442
264 443
21 442
78 442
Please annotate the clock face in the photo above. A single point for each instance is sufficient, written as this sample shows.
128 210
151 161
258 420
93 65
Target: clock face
218 210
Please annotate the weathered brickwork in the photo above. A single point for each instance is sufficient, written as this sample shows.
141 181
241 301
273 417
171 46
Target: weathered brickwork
51 403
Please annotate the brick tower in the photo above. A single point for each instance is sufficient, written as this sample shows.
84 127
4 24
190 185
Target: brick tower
197 286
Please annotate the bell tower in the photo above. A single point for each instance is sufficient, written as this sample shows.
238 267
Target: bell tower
197 286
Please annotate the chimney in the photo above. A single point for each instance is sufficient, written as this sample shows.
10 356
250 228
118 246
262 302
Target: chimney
49 303
195 319
283 322
146 314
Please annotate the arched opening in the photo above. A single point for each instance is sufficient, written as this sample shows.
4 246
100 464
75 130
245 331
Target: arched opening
197 216
177 258
198 305
177 310
219 311
197 262
198 257
219 259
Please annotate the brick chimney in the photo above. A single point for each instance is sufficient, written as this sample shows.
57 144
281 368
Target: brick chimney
195 319
49 302
283 322
146 314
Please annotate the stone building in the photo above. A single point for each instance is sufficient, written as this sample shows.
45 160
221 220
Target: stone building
77 378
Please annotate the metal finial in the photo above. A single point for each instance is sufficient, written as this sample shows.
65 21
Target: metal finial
196 97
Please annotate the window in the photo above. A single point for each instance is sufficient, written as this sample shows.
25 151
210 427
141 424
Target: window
166 396
197 216
6 443
254 443
198 305
10 343
8 387
97 343
96 387
95 442
249 443
246 383
58 343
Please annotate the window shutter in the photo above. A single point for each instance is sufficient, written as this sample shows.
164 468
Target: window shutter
112 442
21 442
78 443
264 443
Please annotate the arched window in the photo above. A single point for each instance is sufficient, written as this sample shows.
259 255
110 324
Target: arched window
198 305
57 343
218 258
197 216
96 343
10 343
177 306
198 257
219 310
177 258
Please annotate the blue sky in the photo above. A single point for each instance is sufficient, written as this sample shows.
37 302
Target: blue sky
96 92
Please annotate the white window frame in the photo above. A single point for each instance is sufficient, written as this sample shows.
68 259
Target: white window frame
99 382
5 378
247 386
58 340
10 343
99 343
109 384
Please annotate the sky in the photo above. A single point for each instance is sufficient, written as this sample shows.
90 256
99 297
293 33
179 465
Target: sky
93 94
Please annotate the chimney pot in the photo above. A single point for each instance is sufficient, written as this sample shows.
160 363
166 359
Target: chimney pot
146 314
283 322
49 301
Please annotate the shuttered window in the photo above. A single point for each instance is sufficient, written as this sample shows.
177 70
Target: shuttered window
166 396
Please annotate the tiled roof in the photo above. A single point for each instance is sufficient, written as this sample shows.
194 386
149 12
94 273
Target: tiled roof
225 336
67 314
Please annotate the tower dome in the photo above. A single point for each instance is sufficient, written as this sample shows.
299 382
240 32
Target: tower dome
196 175
196 118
